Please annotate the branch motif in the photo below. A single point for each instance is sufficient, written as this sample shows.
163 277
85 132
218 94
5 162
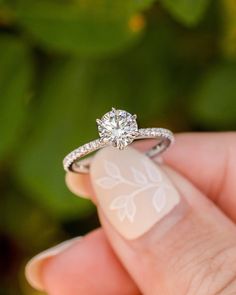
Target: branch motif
124 205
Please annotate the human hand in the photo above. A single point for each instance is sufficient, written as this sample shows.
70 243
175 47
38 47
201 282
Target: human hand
166 228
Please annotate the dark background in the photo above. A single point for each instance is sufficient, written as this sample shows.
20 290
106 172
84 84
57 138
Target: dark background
65 63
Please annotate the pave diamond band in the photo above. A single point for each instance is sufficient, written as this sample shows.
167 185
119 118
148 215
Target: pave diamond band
118 128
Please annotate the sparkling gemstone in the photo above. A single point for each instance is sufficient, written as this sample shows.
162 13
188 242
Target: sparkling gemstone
118 127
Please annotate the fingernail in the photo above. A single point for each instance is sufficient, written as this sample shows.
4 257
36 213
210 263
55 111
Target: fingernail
34 266
133 192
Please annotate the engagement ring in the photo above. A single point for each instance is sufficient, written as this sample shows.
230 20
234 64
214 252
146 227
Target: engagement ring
119 129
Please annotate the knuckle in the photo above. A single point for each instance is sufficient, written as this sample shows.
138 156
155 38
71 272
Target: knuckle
220 271
206 270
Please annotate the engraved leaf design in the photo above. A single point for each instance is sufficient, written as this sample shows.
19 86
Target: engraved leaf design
130 209
159 199
106 182
122 213
112 170
118 202
139 177
125 207
153 174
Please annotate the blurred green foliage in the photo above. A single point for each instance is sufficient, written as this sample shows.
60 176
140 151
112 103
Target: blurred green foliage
66 62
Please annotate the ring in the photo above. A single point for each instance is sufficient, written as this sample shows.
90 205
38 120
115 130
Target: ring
119 129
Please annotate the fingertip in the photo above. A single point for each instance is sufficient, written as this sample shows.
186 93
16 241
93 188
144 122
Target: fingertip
79 184
33 269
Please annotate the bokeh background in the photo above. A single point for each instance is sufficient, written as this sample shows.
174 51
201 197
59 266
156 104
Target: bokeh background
64 63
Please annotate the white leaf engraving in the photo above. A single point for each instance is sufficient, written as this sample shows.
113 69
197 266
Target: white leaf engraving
107 182
139 177
152 172
130 209
118 203
125 207
159 199
112 170
122 214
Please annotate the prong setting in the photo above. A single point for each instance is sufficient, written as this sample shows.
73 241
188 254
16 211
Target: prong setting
118 127
98 121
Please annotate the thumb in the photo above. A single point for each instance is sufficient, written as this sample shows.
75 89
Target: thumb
168 235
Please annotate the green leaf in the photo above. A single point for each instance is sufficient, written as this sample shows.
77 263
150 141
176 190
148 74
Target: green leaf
62 120
134 81
214 104
15 81
79 27
188 12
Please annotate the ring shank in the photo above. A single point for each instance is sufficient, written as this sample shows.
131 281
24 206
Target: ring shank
72 162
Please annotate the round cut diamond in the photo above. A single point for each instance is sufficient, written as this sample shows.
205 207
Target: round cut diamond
118 127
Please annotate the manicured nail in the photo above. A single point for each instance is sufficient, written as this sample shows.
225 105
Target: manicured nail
34 266
133 192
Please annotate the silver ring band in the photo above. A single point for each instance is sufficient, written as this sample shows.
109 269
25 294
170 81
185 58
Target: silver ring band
73 162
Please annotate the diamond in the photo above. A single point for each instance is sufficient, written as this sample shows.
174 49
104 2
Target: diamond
118 127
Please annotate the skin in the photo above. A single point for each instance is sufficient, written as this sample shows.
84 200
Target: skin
197 257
